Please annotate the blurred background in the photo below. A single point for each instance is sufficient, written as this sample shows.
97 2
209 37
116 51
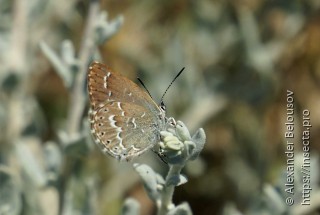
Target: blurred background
241 57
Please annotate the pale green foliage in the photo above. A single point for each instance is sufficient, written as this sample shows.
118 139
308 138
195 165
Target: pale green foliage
176 148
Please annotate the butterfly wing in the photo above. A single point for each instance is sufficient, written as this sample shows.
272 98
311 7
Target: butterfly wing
124 130
125 121
106 85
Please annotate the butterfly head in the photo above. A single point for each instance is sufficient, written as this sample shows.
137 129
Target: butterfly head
162 107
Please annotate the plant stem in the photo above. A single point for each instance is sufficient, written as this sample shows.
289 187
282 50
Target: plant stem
78 98
167 192
16 62
78 95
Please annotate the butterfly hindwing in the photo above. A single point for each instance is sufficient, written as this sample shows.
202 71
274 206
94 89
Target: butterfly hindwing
124 130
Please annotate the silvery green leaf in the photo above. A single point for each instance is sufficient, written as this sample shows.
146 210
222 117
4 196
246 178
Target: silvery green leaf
175 145
67 52
170 138
106 29
160 179
130 207
190 146
149 178
182 131
199 138
30 163
58 64
165 134
53 159
176 180
170 141
182 209
69 59
10 194
172 130
274 200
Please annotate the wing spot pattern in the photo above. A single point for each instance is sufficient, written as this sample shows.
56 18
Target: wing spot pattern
134 148
119 105
112 121
120 140
120 108
133 122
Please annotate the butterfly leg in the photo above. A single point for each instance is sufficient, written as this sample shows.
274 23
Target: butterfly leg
171 121
161 155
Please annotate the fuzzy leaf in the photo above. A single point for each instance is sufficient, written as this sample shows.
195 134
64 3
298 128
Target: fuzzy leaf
130 207
182 209
199 138
67 52
190 146
160 179
182 131
30 163
177 180
175 145
165 134
106 29
58 64
10 194
149 178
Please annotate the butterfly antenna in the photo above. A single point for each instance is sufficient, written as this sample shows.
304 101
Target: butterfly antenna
144 86
172 83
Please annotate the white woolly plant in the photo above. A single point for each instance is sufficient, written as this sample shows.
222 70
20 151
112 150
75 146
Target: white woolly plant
177 148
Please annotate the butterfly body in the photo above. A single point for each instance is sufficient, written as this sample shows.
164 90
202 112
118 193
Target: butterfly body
125 121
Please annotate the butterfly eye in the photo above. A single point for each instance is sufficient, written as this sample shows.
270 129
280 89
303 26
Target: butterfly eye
163 106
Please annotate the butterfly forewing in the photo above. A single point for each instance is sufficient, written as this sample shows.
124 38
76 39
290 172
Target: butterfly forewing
106 85
125 121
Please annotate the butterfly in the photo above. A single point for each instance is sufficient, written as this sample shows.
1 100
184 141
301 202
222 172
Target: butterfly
124 120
